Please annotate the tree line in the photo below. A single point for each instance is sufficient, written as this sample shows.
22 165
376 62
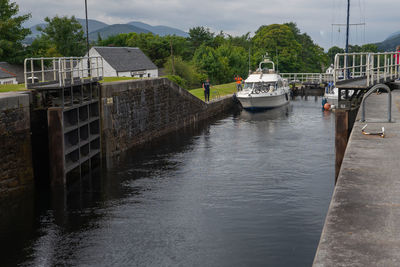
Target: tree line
186 60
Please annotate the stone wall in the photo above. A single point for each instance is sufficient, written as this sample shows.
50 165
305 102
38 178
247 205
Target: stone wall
135 112
16 173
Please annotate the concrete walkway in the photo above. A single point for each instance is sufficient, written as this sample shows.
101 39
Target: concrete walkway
362 227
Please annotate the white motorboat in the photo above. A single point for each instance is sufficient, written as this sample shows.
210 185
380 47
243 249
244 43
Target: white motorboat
331 94
264 89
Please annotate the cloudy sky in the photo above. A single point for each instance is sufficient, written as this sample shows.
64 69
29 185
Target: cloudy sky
237 17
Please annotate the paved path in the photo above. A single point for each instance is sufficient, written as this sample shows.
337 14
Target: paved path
362 227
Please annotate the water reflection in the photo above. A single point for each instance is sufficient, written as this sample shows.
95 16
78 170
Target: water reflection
266 115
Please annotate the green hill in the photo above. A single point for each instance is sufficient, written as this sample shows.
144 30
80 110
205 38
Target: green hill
114 30
160 30
390 43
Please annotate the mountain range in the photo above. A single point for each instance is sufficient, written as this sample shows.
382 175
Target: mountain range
390 43
97 27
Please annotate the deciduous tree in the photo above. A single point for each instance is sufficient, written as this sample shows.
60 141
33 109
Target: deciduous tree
66 34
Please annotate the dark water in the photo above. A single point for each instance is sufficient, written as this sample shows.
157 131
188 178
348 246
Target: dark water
251 189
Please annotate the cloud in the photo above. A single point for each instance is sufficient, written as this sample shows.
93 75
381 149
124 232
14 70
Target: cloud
234 17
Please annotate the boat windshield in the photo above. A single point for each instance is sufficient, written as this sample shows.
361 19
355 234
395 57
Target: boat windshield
248 85
265 86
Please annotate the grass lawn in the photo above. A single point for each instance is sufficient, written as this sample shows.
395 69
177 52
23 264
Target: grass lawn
116 79
215 91
12 87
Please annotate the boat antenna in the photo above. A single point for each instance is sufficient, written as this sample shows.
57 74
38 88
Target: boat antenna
277 60
249 59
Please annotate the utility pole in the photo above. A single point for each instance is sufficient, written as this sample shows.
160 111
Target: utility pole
347 38
347 26
87 38
172 57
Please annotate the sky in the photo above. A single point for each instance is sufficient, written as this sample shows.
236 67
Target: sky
237 17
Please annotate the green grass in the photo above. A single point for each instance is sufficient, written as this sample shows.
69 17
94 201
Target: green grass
116 79
12 87
215 91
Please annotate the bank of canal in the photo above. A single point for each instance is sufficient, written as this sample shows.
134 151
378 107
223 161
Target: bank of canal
250 189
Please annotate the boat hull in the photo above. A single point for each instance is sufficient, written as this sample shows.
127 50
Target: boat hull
263 102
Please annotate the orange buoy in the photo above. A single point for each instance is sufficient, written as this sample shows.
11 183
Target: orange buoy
327 106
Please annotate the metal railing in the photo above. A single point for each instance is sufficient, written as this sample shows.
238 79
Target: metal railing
372 90
374 67
308 77
62 70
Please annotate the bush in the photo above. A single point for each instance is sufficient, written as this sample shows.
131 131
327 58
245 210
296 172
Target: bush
177 79
186 71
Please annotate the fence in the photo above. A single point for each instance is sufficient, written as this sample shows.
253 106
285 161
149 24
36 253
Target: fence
62 71
374 67
316 78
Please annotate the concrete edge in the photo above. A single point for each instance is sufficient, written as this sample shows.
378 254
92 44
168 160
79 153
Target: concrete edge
14 100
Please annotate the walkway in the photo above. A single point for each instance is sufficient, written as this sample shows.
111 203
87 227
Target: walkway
362 227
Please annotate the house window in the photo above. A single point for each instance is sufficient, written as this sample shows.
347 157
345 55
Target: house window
148 75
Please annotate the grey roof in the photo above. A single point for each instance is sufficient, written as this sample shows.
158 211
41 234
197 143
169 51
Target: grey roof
18 70
126 58
6 74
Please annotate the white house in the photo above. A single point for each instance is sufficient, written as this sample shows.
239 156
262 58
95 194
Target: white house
124 62
7 77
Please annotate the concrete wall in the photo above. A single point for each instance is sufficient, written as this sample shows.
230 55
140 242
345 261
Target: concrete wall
135 112
16 173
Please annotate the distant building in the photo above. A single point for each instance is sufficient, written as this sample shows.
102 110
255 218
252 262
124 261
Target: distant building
7 77
17 71
125 62
330 70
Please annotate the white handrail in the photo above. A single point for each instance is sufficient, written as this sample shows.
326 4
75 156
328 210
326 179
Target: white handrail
308 77
374 67
66 67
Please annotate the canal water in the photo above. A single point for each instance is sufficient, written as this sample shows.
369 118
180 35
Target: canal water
248 189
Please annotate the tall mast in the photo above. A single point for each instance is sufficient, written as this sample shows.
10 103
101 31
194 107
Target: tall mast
347 26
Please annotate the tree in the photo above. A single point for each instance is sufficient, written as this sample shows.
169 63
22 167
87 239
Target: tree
66 34
191 77
280 43
43 47
11 32
99 39
333 51
199 36
369 48
222 63
155 47
312 55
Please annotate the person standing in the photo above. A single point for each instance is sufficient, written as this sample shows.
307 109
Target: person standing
397 58
206 88
238 81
